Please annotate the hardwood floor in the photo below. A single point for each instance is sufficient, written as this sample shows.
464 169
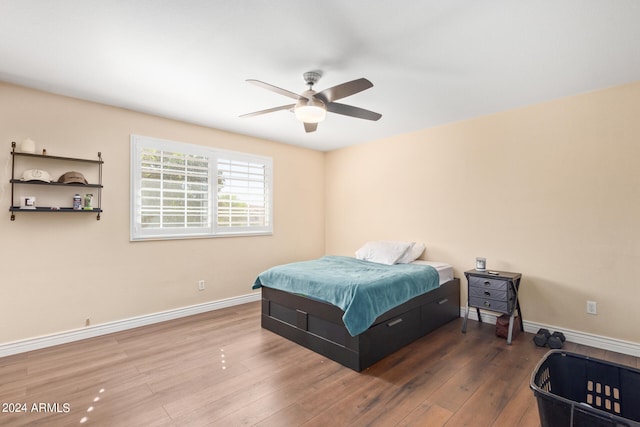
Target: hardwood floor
221 369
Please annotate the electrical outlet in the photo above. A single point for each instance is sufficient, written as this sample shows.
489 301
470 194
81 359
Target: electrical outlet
592 307
87 321
201 285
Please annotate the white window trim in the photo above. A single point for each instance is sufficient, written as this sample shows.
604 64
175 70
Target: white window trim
138 233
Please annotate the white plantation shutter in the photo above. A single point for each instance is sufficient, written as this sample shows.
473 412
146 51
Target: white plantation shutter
181 190
244 192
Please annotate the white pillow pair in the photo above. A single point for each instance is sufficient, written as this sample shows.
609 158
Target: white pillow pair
390 252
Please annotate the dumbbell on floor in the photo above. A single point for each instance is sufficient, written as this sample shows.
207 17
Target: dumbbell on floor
556 340
541 338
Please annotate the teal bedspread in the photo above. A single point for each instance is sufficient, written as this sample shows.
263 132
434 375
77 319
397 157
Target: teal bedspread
362 289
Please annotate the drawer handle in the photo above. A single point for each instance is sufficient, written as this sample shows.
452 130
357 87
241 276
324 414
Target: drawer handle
487 283
487 293
487 304
443 301
395 322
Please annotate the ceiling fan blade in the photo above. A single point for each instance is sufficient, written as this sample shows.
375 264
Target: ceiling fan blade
275 89
343 90
269 110
349 110
310 127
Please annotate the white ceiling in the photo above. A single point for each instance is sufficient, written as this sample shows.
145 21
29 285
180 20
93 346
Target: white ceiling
431 61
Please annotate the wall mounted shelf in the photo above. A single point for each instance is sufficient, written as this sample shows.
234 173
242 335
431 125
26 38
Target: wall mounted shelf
26 157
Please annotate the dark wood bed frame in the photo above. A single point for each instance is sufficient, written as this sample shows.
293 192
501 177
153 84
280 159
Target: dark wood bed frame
318 325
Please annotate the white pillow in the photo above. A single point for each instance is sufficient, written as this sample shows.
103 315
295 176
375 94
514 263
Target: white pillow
382 251
412 254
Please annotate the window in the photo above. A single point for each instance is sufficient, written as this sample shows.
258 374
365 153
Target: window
180 190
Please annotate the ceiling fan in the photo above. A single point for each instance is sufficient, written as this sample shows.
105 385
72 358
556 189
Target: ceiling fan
311 107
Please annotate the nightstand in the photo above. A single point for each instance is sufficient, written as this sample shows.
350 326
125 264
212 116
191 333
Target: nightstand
494 292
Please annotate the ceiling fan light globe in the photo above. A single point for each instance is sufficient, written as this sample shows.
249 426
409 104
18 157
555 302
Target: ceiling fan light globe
310 113
310 110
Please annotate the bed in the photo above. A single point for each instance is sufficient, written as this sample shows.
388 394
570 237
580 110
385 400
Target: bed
297 305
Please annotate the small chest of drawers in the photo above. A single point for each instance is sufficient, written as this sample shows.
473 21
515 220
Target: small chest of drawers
496 291
491 293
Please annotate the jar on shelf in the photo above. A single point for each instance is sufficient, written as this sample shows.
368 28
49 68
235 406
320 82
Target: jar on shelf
88 200
77 202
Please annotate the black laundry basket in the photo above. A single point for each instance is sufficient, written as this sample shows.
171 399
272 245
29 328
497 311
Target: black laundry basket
576 390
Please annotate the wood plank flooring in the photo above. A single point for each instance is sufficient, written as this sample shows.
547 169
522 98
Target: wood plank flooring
221 369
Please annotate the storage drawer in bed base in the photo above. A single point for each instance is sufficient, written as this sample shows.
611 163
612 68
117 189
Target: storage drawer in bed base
318 325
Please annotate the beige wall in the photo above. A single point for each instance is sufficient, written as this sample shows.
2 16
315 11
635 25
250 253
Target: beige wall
56 270
551 191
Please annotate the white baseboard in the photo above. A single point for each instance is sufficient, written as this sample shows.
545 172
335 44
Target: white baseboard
15 347
597 341
36 343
